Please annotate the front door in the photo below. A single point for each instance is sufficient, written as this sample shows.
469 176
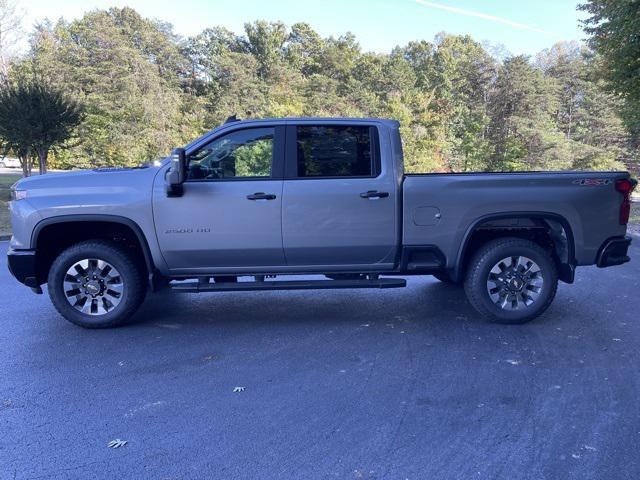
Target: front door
229 216
339 202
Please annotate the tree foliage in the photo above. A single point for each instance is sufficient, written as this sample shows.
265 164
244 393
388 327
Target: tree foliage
10 33
614 27
460 108
35 116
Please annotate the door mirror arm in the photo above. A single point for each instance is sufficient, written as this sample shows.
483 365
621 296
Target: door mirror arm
177 173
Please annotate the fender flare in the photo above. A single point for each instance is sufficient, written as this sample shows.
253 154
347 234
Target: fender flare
462 250
148 259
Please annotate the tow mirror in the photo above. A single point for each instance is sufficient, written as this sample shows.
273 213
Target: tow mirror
177 173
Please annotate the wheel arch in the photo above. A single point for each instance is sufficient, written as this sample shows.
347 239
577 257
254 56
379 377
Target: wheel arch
566 265
49 226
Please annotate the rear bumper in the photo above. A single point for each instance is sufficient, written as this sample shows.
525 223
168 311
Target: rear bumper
614 252
22 265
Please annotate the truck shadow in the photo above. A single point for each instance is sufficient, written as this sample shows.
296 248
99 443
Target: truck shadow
422 301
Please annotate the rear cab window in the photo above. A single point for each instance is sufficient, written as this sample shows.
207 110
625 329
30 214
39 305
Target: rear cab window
326 151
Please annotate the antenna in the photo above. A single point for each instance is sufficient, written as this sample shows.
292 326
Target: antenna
232 119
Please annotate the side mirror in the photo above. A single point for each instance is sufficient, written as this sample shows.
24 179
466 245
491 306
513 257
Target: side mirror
177 173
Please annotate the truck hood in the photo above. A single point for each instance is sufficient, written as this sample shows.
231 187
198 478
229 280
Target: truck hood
88 187
98 177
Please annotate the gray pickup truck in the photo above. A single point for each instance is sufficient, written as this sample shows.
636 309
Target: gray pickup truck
253 204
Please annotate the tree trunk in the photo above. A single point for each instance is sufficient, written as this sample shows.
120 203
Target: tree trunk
42 160
25 161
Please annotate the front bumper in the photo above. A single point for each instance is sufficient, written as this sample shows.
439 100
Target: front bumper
614 252
22 265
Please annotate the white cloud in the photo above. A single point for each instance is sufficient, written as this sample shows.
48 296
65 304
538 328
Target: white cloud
484 16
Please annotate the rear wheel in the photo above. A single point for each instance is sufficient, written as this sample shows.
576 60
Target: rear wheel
511 280
96 284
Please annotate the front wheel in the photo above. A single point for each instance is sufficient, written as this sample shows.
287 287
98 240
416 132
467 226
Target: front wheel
511 280
96 284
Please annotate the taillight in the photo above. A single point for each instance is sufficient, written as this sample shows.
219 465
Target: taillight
625 187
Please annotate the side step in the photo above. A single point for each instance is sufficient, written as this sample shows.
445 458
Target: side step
194 287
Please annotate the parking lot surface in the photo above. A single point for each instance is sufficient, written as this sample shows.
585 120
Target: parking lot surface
357 384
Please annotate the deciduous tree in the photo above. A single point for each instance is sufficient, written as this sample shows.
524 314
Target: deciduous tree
35 116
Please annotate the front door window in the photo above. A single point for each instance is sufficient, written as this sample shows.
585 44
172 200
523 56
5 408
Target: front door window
242 154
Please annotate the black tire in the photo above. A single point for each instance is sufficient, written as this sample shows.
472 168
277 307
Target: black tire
444 278
131 276
487 258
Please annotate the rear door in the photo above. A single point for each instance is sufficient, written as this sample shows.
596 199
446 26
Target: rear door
229 217
339 199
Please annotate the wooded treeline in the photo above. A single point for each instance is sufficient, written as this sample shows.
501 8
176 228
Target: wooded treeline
145 90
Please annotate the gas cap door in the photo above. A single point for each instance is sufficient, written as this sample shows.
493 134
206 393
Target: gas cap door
426 216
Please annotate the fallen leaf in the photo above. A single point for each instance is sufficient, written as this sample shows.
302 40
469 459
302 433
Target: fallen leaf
117 443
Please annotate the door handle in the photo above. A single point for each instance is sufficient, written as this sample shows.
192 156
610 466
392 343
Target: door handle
374 194
261 196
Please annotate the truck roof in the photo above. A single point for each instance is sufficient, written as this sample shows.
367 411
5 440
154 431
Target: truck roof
387 121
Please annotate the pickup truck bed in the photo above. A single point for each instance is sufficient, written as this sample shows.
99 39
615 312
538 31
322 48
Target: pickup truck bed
447 208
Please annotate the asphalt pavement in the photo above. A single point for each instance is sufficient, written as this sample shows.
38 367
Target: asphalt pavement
356 384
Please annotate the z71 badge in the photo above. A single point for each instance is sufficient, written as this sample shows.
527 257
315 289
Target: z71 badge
592 182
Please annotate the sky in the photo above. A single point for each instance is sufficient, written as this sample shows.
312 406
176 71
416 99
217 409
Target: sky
522 26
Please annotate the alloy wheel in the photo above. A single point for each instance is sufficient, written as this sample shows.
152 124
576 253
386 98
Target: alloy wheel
93 286
515 283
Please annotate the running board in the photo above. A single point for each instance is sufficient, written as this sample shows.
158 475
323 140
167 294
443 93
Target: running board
194 287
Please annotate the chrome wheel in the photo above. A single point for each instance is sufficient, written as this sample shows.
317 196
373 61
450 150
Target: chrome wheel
93 286
515 283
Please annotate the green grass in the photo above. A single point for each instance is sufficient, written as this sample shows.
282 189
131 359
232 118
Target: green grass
6 180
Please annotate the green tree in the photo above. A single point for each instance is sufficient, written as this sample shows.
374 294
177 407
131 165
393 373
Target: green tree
39 117
462 107
522 130
265 41
10 33
304 49
125 69
587 115
614 26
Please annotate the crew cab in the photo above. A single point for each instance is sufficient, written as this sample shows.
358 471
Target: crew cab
267 204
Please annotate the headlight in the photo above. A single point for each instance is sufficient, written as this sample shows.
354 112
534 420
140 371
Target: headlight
18 194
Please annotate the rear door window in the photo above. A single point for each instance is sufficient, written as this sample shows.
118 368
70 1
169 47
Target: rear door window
335 151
